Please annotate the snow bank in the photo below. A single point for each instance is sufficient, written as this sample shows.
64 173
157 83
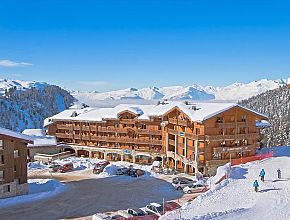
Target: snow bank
36 165
222 173
38 189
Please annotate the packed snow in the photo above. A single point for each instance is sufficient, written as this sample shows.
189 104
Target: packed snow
235 198
38 189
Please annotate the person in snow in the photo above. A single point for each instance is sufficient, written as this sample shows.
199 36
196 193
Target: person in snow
262 175
279 173
256 185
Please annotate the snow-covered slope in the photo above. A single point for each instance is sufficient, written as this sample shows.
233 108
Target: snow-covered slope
236 91
20 85
235 198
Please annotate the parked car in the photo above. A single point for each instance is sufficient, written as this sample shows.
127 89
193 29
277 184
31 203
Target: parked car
136 212
154 208
101 216
122 171
66 167
195 188
99 167
136 172
180 182
54 167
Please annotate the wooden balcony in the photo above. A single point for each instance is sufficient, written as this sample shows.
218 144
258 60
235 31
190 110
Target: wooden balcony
63 135
148 131
85 128
65 127
128 121
231 124
179 122
77 136
216 162
112 130
234 149
86 137
232 137
93 128
148 141
191 136
173 132
77 127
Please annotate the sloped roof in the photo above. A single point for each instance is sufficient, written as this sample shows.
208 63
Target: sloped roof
16 135
196 112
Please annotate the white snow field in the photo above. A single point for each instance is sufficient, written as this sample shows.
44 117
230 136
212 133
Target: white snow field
38 189
234 198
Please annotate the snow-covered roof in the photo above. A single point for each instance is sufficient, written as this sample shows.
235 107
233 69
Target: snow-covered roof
14 134
34 132
196 112
40 138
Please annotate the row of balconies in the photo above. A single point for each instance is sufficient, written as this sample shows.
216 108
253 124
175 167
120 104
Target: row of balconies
111 139
232 137
125 130
231 124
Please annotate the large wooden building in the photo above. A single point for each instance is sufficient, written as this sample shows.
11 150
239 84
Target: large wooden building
13 163
187 137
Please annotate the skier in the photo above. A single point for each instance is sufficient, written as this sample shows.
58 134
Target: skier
279 173
262 175
256 185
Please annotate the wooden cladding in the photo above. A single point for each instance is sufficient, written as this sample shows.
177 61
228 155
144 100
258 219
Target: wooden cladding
232 137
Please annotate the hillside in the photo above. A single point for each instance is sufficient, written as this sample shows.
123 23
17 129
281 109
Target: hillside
275 104
22 108
234 198
233 92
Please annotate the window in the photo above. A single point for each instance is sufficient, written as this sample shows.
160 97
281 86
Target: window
1 144
16 153
6 188
15 168
244 118
2 159
1 174
197 131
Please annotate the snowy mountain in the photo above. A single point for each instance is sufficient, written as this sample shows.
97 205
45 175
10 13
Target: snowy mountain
26 104
6 84
236 91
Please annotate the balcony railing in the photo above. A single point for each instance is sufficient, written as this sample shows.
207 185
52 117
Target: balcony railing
234 149
231 124
64 135
65 126
128 121
232 137
148 131
178 122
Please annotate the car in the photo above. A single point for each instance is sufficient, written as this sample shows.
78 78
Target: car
66 167
101 216
99 167
136 212
154 208
195 188
180 182
122 171
54 167
136 172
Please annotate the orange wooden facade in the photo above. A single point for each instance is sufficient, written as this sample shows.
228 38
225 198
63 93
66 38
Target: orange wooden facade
183 144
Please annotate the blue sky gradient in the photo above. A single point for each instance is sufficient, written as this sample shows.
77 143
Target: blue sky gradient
105 45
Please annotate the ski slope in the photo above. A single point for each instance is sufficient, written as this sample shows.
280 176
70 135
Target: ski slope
235 198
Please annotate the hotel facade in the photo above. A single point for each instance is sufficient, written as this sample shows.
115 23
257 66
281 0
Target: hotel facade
185 137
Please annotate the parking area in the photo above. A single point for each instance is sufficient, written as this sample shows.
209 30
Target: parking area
87 196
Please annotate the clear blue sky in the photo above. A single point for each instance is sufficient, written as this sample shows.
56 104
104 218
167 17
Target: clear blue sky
104 44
